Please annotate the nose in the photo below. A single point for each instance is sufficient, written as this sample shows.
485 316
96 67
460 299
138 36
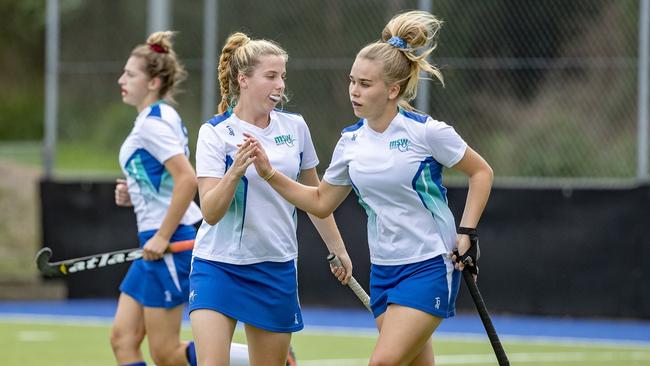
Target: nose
120 79
353 90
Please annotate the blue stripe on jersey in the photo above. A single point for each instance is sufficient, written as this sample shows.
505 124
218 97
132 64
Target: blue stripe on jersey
155 111
354 127
219 118
232 224
414 116
372 216
142 166
427 183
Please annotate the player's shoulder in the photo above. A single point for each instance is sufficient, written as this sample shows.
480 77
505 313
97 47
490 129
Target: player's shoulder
349 130
218 119
161 111
290 120
411 116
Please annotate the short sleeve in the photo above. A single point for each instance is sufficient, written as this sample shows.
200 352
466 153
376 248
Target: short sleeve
210 153
160 140
446 145
337 173
309 158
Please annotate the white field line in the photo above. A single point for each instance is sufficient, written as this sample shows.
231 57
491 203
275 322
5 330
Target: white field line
36 336
488 359
97 321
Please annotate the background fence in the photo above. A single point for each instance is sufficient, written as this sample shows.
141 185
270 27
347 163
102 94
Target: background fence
541 88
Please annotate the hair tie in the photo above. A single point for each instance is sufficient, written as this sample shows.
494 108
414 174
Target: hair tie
397 42
157 48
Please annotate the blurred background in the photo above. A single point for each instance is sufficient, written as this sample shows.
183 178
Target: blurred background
553 93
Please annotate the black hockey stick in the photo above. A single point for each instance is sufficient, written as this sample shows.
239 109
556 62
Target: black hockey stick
502 358
353 284
65 267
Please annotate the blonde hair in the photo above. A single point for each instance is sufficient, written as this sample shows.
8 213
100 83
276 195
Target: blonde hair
161 62
241 54
406 41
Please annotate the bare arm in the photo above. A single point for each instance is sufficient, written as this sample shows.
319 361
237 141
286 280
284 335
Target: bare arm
184 191
329 232
320 201
216 194
480 183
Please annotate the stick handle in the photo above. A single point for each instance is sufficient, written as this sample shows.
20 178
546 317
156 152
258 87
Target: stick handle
180 246
499 352
352 283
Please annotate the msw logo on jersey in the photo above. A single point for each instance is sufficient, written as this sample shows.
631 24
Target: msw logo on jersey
284 139
399 144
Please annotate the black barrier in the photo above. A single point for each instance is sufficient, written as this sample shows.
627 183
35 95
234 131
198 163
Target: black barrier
81 218
544 251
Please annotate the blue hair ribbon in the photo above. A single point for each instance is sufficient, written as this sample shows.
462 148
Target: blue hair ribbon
397 42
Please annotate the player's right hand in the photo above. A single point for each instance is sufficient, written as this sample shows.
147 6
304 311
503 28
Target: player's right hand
344 273
122 197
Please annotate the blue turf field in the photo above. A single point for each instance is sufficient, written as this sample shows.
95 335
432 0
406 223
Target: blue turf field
625 331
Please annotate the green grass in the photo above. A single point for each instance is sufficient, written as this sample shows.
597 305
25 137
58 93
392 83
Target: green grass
33 343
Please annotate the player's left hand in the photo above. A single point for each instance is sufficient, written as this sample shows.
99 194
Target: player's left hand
466 254
154 248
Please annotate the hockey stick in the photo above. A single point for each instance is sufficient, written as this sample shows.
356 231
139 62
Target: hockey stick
502 358
65 267
353 284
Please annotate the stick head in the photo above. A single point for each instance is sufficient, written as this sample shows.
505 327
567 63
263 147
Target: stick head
43 262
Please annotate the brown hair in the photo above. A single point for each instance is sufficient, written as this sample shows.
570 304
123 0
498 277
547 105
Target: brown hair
161 62
406 41
241 54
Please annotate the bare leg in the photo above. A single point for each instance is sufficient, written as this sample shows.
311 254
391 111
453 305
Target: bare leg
267 348
128 330
404 335
163 328
212 336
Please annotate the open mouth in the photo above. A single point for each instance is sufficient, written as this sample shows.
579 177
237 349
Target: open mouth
275 97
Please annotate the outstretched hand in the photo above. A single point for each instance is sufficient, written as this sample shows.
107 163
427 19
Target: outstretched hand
261 161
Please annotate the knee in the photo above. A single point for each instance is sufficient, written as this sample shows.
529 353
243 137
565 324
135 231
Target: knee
383 360
162 356
124 340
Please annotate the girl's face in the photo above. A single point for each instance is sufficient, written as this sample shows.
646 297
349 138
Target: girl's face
136 86
368 91
264 88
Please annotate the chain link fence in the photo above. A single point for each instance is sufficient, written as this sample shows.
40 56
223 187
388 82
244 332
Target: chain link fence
545 90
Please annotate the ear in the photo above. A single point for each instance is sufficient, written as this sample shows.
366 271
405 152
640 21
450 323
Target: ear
154 84
242 80
393 91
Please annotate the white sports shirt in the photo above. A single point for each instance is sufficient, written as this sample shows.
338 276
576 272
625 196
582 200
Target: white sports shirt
157 135
397 176
260 225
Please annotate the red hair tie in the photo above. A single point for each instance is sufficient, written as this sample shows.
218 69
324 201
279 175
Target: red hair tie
157 48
